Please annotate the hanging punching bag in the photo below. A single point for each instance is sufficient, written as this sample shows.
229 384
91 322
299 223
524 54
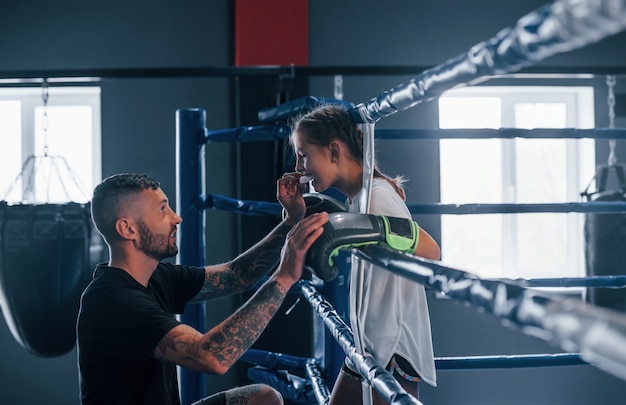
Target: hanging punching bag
45 263
605 239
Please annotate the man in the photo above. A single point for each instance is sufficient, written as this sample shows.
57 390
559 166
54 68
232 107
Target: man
129 341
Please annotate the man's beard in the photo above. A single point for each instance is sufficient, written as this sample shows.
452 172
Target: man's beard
155 246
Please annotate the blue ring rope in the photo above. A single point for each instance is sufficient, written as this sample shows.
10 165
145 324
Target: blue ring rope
509 208
280 361
275 132
264 208
513 361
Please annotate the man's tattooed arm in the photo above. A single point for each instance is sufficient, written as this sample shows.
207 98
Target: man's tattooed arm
217 350
246 269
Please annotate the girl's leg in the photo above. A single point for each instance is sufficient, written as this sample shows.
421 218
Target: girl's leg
409 387
347 389
404 374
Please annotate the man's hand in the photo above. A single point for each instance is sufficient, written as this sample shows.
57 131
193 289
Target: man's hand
299 240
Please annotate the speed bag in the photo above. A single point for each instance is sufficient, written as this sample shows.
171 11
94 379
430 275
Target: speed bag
605 252
44 267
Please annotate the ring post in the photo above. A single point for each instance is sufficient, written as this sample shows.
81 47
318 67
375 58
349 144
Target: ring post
190 129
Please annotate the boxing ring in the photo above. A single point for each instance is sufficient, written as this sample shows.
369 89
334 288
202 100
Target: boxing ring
587 334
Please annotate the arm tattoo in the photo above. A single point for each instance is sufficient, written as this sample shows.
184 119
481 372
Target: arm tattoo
261 258
218 284
246 269
241 329
228 341
177 341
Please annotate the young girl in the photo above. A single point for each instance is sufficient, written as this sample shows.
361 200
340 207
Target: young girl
394 313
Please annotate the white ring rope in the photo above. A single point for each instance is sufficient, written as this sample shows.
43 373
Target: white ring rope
562 26
598 334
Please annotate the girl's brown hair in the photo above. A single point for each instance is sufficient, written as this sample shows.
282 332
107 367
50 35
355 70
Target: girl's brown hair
333 122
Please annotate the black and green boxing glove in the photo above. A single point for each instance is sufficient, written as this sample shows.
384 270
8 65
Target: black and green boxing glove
319 202
345 230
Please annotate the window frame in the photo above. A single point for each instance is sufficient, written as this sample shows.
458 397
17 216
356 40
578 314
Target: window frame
579 101
31 99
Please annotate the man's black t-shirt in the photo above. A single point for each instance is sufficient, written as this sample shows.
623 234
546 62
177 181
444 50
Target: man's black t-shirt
119 325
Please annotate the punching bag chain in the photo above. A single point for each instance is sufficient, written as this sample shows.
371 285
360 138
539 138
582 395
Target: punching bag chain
610 82
44 122
338 87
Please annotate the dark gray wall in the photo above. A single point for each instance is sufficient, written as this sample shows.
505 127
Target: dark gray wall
138 134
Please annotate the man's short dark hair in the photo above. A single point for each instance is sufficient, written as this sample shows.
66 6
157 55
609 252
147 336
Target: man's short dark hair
105 204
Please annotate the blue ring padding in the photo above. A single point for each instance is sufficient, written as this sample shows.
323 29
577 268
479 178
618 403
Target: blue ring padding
291 386
276 364
318 385
275 361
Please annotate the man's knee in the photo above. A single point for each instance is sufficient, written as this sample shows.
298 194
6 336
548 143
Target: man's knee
255 394
269 395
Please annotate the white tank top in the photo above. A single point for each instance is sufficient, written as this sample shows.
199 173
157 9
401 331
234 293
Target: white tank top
394 314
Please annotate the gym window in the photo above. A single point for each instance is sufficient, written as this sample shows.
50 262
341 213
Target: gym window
67 127
529 245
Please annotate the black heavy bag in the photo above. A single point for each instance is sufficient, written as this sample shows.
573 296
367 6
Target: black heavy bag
44 267
605 239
